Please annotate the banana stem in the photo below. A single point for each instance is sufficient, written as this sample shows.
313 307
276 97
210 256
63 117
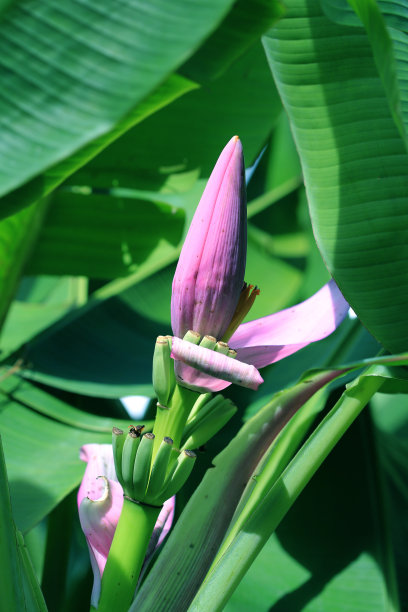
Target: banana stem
126 556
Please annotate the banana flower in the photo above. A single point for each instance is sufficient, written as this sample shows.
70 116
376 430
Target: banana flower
210 298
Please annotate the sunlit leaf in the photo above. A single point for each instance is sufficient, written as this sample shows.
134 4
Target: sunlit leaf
83 71
357 190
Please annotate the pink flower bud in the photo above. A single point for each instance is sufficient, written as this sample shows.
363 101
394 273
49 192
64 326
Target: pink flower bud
210 272
209 296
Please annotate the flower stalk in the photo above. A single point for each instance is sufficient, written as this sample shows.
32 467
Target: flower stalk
126 556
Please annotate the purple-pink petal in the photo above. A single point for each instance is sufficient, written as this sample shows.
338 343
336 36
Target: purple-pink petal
196 380
215 364
165 519
271 338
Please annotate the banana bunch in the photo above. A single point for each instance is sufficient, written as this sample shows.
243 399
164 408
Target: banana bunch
143 480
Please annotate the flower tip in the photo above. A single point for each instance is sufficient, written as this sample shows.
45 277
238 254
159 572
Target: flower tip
234 146
238 144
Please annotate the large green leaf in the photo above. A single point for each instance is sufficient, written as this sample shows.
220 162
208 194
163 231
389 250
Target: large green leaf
42 457
43 184
357 188
169 149
72 71
386 26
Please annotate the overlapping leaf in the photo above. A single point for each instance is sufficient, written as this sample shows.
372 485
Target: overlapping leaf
71 72
42 453
216 498
354 162
188 135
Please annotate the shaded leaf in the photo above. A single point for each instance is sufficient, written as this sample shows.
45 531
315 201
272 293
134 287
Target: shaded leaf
105 237
184 140
324 554
38 303
42 458
41 401
242 27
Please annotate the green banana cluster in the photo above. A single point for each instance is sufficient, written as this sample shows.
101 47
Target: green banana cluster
209 342
208 415
146 480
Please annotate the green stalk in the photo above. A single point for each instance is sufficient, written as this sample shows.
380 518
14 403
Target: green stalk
283 449
126 556
171 422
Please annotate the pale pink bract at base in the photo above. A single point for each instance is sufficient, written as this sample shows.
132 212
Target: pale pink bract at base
100 501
